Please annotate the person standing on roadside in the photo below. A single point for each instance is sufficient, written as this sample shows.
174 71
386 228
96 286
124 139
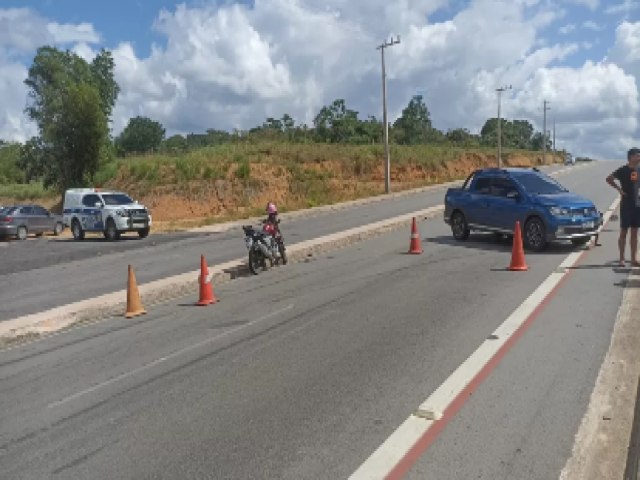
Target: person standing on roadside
627 177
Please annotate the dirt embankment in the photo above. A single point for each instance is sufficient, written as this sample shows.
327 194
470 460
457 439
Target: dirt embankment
320 183
244 189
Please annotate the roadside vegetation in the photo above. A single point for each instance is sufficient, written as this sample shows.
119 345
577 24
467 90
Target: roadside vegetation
217 174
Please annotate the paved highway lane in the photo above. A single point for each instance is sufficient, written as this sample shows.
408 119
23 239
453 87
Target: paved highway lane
303 371
42 274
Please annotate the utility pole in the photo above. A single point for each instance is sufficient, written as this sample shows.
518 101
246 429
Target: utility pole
387 169
500 90
554 136
544 132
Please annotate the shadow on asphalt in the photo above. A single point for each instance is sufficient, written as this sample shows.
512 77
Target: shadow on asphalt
495 243
628 283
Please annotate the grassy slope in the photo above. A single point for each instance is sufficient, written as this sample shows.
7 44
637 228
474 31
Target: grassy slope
235 180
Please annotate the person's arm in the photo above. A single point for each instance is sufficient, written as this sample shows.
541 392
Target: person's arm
611 180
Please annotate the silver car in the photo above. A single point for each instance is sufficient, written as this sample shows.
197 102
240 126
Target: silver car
22 220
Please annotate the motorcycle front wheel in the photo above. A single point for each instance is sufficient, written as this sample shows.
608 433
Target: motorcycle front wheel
283 254
256 261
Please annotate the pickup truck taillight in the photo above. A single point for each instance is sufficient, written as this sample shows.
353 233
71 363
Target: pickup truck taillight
6 219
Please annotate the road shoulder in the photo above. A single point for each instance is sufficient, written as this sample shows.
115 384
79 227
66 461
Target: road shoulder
601 444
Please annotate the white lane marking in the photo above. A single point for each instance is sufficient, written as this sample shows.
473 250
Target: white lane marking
397 445
168 357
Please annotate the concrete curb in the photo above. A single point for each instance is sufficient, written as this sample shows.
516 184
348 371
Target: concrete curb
114 304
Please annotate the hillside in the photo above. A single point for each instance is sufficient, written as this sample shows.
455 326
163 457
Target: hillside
236 180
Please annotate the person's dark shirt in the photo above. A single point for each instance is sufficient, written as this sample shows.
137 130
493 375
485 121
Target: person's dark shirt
623 175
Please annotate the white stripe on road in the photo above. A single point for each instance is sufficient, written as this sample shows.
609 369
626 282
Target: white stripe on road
406 436
168 357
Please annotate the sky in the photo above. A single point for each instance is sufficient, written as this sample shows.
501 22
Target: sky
226 65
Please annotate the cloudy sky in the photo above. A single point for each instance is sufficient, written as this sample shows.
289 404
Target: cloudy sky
228 64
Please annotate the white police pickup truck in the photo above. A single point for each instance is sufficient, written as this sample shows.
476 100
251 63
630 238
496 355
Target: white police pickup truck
109 212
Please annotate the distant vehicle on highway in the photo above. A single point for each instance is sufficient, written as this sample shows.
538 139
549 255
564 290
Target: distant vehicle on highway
109 212
21 220
492 200
569 160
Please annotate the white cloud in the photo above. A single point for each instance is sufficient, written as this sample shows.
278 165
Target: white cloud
228 66
596 106
13 124
63 34
591 25
22 31
626 7
567 28
590 4
626 49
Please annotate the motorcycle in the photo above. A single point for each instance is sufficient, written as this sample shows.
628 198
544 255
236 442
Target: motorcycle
264 246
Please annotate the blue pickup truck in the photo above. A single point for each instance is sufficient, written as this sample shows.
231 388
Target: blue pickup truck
493 199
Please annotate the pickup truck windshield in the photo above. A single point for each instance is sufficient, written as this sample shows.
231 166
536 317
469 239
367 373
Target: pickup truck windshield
116 199
535 183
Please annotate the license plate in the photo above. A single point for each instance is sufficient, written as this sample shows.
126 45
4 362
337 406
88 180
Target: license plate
588 225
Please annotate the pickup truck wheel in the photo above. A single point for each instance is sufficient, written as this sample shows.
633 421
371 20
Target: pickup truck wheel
459 226
144 233
111 232
76 230
535 236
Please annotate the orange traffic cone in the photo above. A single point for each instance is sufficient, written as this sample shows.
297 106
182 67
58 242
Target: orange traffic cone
206 289
518 262
414 246
134 305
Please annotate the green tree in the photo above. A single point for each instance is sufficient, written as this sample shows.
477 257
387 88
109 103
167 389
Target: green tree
79 134
519 134
414 125
336 123
489 132
537 142
462 136
175 144
10 171
140 135
71 102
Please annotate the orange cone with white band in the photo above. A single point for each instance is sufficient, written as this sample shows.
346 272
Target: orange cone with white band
207 296
415 247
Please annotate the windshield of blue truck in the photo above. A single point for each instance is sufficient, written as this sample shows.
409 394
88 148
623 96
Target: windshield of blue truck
540 184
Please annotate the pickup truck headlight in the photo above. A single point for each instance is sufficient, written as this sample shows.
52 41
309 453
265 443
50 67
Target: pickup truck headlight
121 213
559 211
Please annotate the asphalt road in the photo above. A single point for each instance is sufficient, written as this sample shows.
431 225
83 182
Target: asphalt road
37 275
303 371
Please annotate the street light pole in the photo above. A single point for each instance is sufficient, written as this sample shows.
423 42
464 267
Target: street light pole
387 169
544 134
500 90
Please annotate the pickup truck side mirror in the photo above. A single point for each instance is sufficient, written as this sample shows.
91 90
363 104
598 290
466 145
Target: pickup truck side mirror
98 204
